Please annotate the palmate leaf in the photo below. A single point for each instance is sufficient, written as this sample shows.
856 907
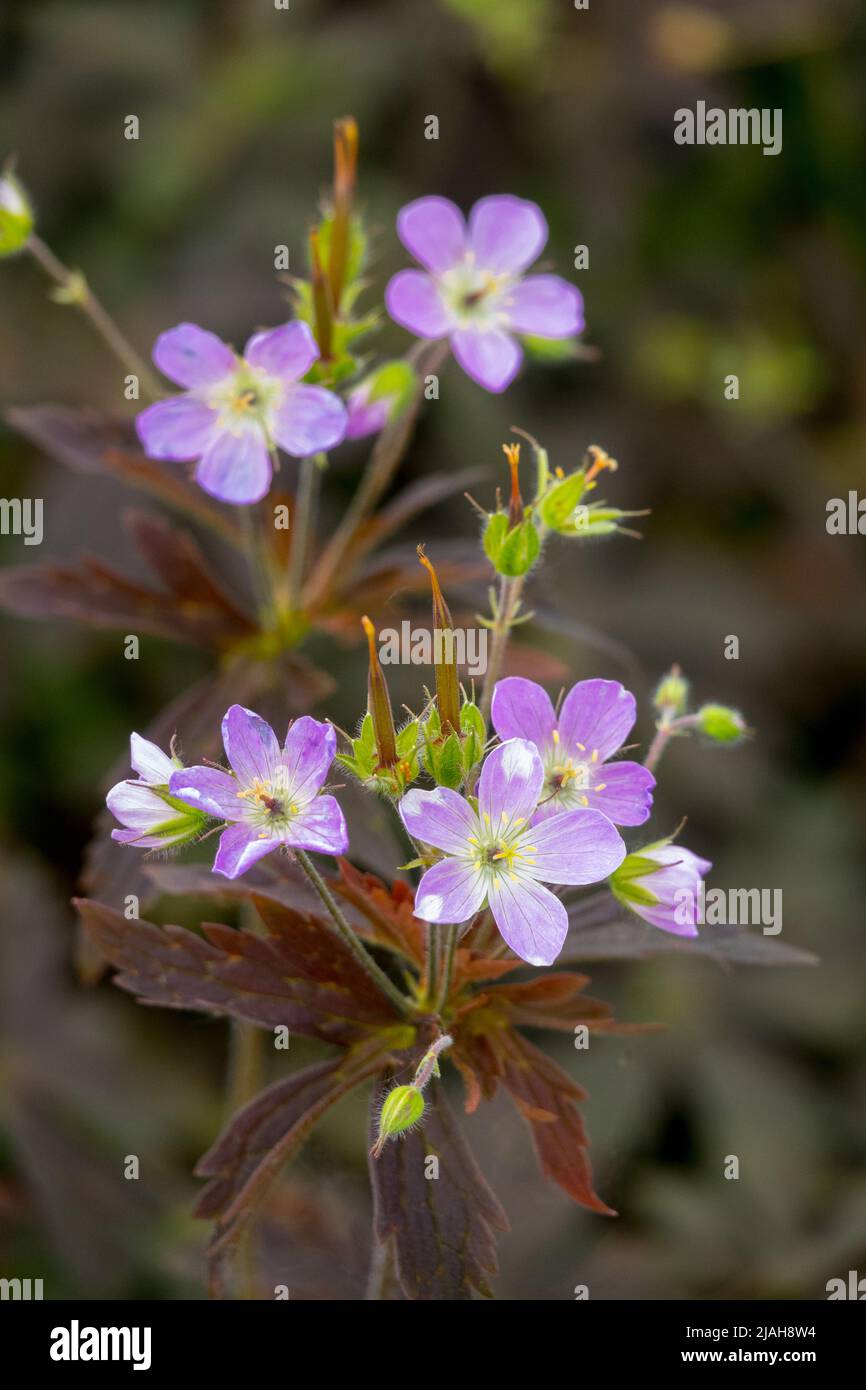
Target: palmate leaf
190 606
442 1230
301 975
259 1139
605 931
90 442
552 1001
547 1099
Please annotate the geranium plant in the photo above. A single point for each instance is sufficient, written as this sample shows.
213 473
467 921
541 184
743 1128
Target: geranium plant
523 828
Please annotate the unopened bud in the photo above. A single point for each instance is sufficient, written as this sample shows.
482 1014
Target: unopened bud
16 215
672 693
402 1108
721 724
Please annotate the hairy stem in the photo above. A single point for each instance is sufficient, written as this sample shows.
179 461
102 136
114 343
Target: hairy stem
77 291
510 591
382 1281
354 943
450 946
665 731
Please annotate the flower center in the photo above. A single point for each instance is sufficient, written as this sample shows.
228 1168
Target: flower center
473 295
246 399
497 851
269 803
569 778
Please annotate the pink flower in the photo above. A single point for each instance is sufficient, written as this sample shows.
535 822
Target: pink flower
472 290
236 410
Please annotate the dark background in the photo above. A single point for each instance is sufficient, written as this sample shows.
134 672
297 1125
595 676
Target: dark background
703 262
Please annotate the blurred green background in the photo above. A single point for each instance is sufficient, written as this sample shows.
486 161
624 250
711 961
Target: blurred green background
703 262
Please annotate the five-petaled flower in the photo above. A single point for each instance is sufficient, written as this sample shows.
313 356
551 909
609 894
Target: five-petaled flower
273 798
473 292
151 817
495 855
236 411
594 721
662 884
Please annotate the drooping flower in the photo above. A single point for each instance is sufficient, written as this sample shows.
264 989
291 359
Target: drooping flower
472 290
594 722
272 796
152 818
494 855
379 399
236 410
662 884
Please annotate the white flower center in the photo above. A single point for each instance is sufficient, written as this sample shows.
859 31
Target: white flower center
475 297
271 803
502 849
568 777
245 400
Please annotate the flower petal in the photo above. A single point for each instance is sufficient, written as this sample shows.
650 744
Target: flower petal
433 230
677 886
510 783
192 357
575 847
451 891
546 306
240 847
309 751
506 233
530 918
309 419
321 826
149 761
288 351
180 428
626 794
236 468
138 807
251 746
413 300
491 357
440 817
210 790
597 714
522 709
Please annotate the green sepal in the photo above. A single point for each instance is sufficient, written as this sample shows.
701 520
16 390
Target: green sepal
556 508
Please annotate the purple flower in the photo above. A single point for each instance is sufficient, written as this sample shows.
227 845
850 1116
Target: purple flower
662 883
493 855
273 797
151 817
236 410
595 719
474 292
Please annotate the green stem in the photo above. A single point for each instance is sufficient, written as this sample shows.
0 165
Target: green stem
353 942
302 523
431 961
260 569
447 967
77 291
510 591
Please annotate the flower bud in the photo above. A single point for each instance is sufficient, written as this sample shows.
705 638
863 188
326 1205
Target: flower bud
379 399
672 693
720 724
402 1108
16 215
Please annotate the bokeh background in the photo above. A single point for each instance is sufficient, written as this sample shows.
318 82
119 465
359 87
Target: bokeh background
703 262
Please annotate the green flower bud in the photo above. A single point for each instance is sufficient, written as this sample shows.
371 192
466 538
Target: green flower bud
672 693
403 1108
721 724
557 507
16 215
